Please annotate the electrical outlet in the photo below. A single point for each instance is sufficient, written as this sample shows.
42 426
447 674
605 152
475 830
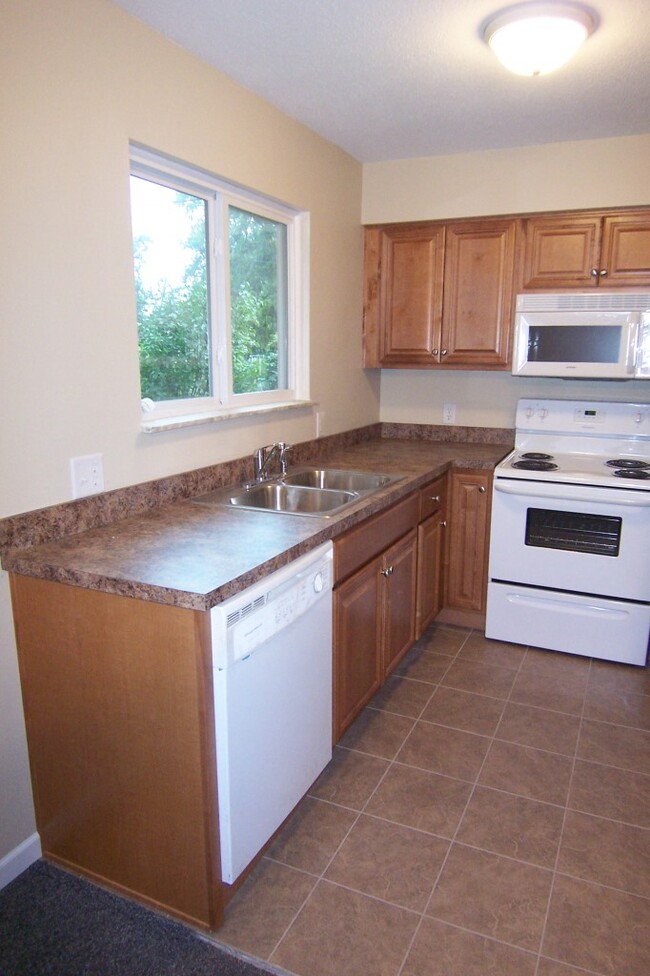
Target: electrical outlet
86 475
449 413
320 421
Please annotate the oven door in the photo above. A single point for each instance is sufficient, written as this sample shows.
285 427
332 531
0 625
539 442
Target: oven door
584 539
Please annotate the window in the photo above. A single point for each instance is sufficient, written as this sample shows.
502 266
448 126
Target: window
221 302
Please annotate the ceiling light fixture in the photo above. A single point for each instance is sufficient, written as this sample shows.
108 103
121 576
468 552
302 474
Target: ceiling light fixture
535 38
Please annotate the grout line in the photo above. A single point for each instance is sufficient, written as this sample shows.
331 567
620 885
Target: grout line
453 840
564 819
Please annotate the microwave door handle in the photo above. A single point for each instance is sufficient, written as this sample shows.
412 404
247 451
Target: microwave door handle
633 343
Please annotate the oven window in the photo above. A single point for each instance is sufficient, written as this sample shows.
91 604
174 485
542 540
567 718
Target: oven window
574 343
598 534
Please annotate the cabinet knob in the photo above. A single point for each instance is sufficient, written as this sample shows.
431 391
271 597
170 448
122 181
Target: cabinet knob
603 272
481 488
594 272
434 498
444 524
443 352
388 571
434 352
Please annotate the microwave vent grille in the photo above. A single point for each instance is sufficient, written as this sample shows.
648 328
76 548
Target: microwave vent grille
584 302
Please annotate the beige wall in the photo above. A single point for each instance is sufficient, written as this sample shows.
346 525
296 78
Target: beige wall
575 175
84 79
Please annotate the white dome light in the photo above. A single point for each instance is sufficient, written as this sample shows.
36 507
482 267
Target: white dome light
536 38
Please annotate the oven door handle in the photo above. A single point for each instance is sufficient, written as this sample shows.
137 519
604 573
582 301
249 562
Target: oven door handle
574 493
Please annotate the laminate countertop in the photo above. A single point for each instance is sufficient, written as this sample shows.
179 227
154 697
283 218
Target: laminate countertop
196 555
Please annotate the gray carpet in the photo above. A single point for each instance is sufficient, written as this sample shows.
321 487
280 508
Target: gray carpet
53 923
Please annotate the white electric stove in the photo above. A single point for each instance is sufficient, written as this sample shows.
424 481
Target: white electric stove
570 538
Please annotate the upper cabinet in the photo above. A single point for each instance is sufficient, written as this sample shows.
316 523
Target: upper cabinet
605 250
440 295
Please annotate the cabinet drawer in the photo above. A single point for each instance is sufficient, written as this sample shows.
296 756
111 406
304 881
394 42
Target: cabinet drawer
433 497
367 540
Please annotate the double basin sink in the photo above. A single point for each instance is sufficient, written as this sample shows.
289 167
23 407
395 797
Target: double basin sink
315 491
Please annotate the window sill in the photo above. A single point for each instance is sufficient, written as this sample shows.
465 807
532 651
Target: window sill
148 426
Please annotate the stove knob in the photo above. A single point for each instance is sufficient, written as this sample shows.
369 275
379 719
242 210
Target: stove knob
543 413
639 418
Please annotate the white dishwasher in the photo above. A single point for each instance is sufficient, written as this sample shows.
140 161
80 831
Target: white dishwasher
272 666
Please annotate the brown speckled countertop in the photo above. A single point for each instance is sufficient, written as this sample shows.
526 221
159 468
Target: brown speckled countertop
196 556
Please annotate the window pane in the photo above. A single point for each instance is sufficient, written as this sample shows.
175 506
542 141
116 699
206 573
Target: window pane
258 302
169 247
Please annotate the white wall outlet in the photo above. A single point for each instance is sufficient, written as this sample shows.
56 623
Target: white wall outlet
449 413
86 475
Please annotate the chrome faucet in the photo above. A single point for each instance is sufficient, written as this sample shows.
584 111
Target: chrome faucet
264 455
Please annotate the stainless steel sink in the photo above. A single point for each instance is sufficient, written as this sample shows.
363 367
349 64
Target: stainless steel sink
315 491
339 479
275 496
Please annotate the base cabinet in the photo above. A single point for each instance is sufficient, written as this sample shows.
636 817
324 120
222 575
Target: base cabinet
120 725
431 547
375 569
466 558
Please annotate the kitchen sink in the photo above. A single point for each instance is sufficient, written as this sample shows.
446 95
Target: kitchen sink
276 496
314 491
339 479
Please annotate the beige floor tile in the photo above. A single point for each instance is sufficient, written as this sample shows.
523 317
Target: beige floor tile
555 663
349 778
389 861
312 835
442 750
416 798
615 745
344 933
260 912
621 707
464 710
512 825
620 677
548 967
528 772
423 665
444 640
483 650
559 692
607 791
404 696
483 679
493 896
597 928
606 852
443 950
540 728
377 733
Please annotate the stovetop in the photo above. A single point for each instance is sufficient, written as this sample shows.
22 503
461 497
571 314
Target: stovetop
632 472
581 442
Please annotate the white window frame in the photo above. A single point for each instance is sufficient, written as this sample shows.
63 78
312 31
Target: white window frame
220 195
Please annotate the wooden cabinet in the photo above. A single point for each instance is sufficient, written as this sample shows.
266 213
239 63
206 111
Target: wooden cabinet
119 714
466 557
588 250
410 294
440 295
479 294
430 553
375 573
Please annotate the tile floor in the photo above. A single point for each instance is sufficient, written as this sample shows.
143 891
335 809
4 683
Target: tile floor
487 815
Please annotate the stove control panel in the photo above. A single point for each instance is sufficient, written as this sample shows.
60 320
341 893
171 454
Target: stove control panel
599 417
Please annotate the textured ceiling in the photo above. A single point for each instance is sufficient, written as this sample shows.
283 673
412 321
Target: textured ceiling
392 79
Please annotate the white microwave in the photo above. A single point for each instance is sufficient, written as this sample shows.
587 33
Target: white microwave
582 335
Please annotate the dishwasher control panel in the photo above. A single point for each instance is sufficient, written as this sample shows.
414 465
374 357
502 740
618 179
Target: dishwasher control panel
250 619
